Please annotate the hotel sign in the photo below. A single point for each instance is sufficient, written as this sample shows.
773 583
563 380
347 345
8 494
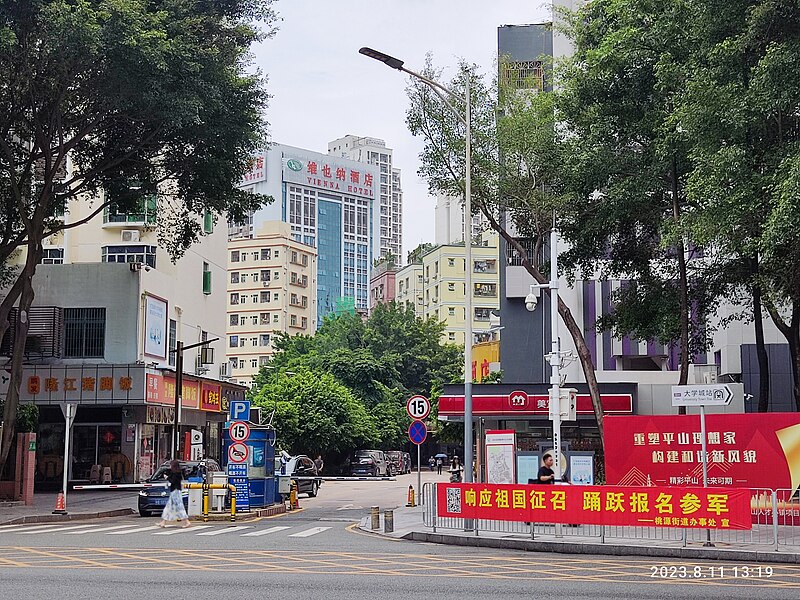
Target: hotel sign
324 173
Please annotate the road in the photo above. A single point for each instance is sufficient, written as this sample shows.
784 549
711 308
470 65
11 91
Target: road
317 553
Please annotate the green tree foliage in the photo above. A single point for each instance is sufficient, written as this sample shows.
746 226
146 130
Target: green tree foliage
111 101
381 362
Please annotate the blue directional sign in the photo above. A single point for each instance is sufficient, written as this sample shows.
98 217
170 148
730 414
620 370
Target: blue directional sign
417 432
240 410
237 475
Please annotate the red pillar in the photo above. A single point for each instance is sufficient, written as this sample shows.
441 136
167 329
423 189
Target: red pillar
25 467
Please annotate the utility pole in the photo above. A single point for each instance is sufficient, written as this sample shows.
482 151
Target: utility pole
179 350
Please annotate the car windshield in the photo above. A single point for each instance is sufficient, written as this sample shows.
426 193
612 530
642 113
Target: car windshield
362 456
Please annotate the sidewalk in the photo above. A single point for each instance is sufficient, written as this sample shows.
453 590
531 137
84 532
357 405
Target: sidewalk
80 505
408 525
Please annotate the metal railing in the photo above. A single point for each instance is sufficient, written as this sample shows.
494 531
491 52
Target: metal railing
776 525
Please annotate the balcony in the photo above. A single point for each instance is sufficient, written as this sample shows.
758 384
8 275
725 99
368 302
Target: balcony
143 215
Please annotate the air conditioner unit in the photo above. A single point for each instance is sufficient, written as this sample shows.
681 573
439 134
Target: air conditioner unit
130 235
265 283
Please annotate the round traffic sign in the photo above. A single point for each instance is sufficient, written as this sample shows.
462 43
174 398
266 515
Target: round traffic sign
239 431
417 432
238 452
418 407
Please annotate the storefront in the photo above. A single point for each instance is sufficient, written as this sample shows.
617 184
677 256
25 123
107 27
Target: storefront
123 428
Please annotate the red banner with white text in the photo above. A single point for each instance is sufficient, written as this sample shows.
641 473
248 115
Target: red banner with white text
704 508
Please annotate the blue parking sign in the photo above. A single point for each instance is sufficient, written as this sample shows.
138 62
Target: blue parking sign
240 410
237 476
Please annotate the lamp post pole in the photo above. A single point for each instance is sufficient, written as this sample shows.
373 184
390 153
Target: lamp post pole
438 88
179 350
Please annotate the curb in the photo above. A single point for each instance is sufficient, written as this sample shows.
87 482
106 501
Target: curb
605 549
120 512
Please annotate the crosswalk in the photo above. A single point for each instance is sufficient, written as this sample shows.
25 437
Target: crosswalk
10 532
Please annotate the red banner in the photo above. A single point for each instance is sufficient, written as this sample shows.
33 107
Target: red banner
703 508
757 450
521 403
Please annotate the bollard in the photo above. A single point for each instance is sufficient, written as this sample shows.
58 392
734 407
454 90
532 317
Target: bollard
293 503
375 513
388 521
410 501
205 503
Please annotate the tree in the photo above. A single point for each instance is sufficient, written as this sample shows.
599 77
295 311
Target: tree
109 102
522 187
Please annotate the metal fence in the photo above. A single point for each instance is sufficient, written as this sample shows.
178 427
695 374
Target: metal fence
776 525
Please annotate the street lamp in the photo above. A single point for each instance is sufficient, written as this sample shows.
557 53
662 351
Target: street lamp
396 63
179 350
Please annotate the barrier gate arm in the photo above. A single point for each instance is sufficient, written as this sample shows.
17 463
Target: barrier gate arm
215 486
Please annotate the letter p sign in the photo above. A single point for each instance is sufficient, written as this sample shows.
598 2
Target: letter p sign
240 410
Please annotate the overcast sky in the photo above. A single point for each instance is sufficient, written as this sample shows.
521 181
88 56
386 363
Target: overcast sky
323 89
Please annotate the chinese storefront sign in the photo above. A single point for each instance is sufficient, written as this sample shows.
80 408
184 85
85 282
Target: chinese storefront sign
257 171
100 383
760 450
210 397
706 508
161 415
328 174
529 404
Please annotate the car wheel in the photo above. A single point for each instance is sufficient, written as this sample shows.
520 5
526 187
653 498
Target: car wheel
314 489
144 513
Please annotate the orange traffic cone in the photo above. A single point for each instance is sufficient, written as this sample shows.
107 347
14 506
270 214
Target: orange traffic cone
61 504
410 501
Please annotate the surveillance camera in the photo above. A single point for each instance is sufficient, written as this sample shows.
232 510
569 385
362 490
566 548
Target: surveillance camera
530 301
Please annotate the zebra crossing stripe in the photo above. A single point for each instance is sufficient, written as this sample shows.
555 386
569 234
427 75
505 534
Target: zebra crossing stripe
265 531
57 529
183 530
36 528
226 530
127 531
310 532
99 529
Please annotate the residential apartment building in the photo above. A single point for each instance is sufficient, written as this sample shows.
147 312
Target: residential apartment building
271 289
330 204
373 151
449 219
109 311
409 283
444 287
382 284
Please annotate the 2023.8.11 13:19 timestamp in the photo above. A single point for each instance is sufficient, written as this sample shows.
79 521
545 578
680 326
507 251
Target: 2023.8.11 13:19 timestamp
710 572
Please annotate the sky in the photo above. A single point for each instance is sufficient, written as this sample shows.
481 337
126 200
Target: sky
323 89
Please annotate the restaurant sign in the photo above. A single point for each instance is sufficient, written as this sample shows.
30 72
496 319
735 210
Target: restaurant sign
87 383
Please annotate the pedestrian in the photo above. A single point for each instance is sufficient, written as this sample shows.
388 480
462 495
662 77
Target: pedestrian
455 470
439 465
318 462
546 474
174 510
431 463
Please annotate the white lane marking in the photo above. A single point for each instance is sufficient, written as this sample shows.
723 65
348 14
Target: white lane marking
183 530
60 529
127 531
100 529
226 530
265 531
36 528
310 532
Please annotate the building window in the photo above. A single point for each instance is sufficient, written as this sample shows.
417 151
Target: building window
275 297
304 322
234 298
293 320
254 298
254 363
265 254
485 266
234 256
242 342
264 297
254 341
253 320
451 287
235 277
451 337
304 260
173 342
84 332
234 319
483 314
451 311
264 318
241 363
277 254
265 276
488 290
53 256
265 339
451 262
294 257
206 278
234 341
275 318
275 275
145 255
263 361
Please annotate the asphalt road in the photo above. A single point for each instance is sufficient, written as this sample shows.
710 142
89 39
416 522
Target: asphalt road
317 553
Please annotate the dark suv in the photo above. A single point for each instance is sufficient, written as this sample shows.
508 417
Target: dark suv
303 466
395 458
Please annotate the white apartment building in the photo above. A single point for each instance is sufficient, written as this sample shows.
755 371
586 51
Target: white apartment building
373 151
409 288
449 220
271 289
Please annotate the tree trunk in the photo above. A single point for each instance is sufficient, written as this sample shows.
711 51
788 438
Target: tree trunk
574 329
792 334
8 303
761 349
683 290
18 353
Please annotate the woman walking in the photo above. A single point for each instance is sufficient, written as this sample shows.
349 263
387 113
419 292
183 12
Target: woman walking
174 510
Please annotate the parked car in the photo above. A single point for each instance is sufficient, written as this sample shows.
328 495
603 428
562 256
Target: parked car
302 466
369 462
153 498
407 461
395 459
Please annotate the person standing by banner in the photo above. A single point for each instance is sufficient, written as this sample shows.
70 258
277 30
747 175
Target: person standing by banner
546 474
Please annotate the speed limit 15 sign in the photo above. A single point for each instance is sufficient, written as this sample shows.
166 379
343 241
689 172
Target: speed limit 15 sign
418 407
239 431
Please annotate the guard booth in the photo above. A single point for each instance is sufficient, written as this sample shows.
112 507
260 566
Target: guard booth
257 470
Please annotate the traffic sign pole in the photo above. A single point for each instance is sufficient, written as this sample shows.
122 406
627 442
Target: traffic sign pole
419 475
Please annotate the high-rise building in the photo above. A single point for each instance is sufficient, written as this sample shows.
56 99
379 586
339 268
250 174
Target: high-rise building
271 289
373 151
449 219
330 204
